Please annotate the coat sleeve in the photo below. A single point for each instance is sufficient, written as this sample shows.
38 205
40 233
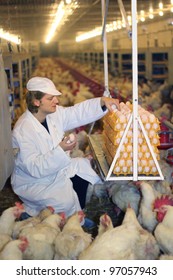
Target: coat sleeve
81 114
35 159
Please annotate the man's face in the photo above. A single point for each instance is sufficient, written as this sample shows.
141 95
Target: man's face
48 104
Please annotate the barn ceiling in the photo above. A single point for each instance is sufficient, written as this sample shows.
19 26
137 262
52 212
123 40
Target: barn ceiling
31 19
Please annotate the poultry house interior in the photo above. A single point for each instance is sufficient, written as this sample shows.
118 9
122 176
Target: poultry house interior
132 218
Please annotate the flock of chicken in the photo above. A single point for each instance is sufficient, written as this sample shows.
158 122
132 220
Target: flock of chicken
146 232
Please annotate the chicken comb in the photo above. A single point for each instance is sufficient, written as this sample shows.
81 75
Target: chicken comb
81 215
104 219
62 215
19 205
52 210
24 243
105 216
23 238
162 200
137 183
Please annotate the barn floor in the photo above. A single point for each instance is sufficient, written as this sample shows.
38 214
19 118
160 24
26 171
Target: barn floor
94 209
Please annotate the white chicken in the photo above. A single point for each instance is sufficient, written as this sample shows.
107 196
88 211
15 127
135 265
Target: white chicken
38 250
125 194
118 243
46 212
4 239
146 246
8 217
31 222
166 257
105 224
46 231
19 225
41 238
14 249
99 191
164 230
163 187
164 111
147 217
73 239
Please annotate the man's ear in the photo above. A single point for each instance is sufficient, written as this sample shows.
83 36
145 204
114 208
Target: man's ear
36 102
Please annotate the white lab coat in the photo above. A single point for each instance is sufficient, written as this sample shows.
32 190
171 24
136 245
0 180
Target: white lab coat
42 171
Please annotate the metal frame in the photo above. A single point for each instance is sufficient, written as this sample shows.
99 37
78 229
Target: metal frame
135 118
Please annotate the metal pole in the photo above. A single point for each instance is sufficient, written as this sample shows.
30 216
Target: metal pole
135 88
124 16
106 92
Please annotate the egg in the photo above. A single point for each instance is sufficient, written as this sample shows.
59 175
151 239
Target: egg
147 126
144 148
155 126
146 170
114 108
147 155
140 155
129 162
129 148
124 169
117 169
129 134
154 170
152 118
125 155
121 162
118 126
143 162
144 118
71 138
151 162
117 141
122 119
123 148
151 133
139 169
155 141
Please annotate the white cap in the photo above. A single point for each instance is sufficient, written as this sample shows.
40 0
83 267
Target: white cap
42 84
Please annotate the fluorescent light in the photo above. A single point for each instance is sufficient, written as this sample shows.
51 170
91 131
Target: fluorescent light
58 17
87 35
9 37
63 12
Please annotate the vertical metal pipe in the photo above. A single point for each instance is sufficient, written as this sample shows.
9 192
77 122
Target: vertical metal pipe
106 93
135 88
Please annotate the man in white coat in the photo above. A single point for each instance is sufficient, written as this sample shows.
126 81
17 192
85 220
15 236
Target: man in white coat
43 168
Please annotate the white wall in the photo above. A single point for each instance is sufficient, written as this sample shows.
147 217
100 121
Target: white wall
6 152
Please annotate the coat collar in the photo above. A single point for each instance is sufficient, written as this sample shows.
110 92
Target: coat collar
53 135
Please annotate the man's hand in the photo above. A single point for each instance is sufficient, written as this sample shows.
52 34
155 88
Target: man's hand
69 142
110 103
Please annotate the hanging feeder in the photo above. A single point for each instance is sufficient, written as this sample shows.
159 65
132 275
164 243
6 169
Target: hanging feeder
166 140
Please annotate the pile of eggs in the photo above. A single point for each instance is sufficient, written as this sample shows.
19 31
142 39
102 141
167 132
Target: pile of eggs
114 124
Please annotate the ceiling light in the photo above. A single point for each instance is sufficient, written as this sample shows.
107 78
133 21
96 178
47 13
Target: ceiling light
160 5
142 16
161 13
62 14
9 37
87 35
